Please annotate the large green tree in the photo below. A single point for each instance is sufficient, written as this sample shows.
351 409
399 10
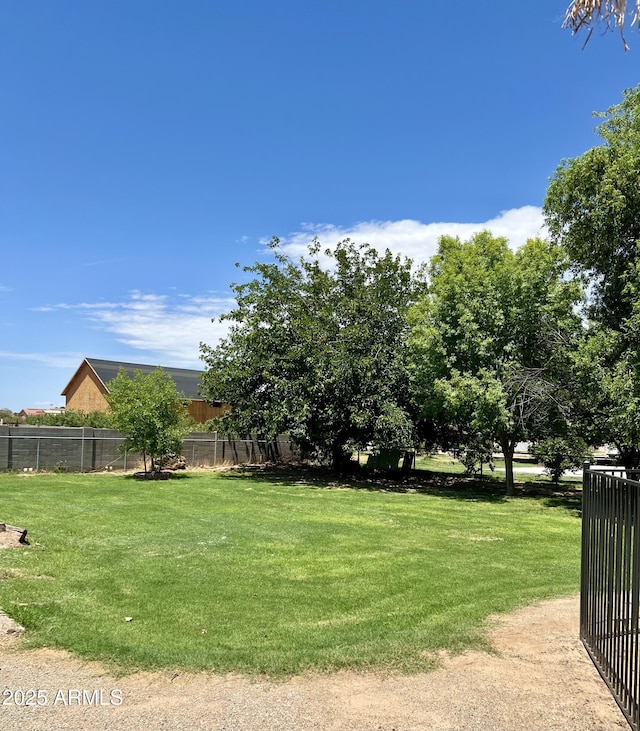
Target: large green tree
319 351
593 209
150 413
489 339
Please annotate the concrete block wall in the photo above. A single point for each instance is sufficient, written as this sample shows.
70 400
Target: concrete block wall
84 449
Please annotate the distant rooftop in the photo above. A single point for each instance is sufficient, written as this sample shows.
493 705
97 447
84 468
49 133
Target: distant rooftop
187 381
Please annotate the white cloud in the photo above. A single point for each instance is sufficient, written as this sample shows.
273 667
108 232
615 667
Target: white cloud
51 360
156 324
168 330
417 240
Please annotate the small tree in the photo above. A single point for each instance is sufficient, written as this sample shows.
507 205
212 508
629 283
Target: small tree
560 453
150 413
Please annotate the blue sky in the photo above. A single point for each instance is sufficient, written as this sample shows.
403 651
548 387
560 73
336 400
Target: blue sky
148 146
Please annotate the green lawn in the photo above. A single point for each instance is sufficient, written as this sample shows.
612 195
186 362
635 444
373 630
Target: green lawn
521 468
275 573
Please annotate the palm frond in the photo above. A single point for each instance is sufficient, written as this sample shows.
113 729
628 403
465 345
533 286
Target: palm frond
611 14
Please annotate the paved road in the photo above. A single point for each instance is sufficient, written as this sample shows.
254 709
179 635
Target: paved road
538 470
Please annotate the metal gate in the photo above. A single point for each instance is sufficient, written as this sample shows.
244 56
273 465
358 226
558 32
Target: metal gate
610 582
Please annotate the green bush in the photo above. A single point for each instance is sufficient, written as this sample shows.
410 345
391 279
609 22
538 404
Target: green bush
95 419
561 453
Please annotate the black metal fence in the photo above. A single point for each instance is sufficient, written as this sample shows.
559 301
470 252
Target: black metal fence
79 449
610 582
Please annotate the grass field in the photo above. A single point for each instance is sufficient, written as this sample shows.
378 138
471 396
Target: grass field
521 467
276 572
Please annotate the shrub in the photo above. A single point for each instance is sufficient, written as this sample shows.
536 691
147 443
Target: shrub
561 453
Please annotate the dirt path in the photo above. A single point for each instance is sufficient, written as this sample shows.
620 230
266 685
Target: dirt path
540 680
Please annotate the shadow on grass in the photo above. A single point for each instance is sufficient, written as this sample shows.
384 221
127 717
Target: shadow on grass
566 495
171 477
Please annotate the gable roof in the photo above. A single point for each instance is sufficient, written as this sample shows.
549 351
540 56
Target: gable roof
187 381
31 412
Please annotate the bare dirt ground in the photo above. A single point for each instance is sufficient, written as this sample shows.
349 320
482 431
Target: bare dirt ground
539 679
10 537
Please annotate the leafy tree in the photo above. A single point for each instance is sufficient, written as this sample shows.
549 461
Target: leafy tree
604 384
319 352
489 338
560 453
150 413
593 208
7 414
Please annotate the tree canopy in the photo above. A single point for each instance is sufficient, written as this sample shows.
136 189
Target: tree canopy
593 209
604 384
319 352
489 337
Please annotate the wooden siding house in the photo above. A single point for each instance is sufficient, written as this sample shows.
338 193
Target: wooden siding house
86 391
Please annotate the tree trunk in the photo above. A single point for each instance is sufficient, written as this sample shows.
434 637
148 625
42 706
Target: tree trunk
339 458
630 458
508 445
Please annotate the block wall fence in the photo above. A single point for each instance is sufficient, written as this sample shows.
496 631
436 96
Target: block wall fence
84 449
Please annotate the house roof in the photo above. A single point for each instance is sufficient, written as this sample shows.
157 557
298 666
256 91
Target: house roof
187 381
